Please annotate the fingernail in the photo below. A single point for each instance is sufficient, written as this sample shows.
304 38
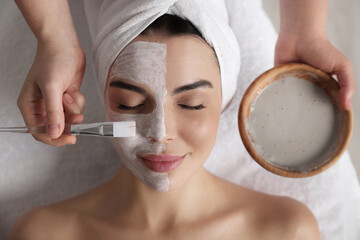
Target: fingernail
68 99
53 129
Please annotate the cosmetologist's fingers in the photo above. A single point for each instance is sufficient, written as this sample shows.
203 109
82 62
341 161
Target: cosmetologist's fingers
54 109
344 72
61 141
69 104
74 118
31 106
77 96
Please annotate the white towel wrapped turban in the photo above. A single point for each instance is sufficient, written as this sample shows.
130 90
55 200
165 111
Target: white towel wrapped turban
115 23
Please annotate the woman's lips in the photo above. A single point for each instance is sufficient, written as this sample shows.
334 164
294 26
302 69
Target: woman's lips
162 163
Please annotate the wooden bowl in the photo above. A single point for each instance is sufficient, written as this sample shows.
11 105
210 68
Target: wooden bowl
330 87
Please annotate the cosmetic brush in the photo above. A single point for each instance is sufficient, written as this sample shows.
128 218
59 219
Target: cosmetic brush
101 129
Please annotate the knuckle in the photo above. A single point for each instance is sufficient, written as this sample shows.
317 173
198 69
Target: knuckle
51 113
82 100
49 86
19 103
53 85
346 63
53 117
353 87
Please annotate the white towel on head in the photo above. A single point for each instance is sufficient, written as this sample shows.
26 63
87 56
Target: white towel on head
115 23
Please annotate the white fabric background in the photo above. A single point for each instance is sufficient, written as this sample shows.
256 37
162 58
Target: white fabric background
33 174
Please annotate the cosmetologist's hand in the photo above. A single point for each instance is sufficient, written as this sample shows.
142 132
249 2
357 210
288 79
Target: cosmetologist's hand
302 38
50 94
320 53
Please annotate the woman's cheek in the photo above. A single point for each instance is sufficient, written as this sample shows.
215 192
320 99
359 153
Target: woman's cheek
200 129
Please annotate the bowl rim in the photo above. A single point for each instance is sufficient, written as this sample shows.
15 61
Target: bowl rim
260 83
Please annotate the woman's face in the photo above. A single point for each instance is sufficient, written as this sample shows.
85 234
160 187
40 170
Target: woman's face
170 86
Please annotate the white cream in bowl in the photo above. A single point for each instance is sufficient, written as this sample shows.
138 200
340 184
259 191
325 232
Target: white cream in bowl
293 124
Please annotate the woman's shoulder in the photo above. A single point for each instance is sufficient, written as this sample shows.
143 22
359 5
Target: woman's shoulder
43 222
61 220
274 217
285 216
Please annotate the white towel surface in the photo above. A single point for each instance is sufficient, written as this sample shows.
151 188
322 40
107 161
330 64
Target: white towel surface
33 174
114 23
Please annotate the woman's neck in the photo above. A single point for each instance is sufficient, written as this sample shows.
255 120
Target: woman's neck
129 200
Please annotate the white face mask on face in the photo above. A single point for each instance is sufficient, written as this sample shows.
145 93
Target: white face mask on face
144 63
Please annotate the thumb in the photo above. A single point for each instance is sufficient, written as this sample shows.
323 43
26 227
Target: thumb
54 111
346 79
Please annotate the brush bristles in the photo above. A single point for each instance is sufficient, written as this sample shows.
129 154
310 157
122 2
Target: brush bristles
124 129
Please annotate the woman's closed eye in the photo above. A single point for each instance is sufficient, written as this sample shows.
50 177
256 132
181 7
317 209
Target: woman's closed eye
196 107
125 107
193 101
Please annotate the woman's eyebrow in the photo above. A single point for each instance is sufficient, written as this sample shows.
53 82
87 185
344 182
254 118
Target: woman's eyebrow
197 84
127 86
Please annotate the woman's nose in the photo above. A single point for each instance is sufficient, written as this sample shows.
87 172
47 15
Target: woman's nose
163 126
